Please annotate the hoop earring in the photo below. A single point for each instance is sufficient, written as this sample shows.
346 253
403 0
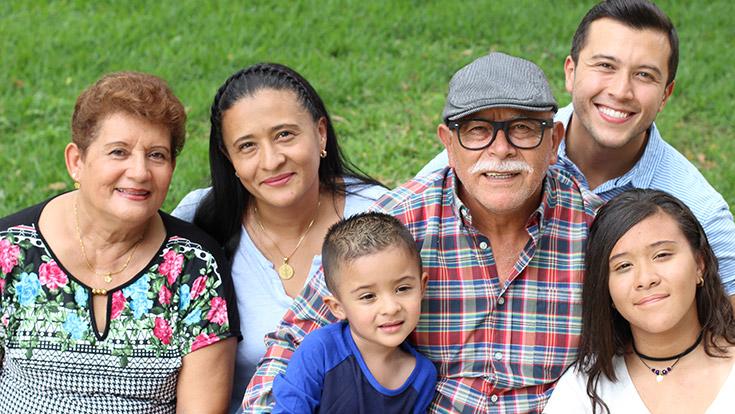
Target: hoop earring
323 153
700 281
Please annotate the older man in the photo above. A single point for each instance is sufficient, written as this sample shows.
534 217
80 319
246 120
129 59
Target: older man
501 237
621 73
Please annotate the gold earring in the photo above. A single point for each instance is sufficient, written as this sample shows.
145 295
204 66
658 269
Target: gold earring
77 185
700 281
323 153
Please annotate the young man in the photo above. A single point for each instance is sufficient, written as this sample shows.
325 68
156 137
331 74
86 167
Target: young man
621 73
364 363
501 237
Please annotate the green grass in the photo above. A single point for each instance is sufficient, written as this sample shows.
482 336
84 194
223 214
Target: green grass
381 67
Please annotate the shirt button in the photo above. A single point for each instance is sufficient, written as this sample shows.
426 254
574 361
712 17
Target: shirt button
494 398
483 245
501 301
498 355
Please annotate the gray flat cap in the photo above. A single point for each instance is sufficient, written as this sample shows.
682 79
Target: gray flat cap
498 81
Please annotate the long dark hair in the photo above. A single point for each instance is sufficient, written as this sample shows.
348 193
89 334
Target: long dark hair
221 211
605 333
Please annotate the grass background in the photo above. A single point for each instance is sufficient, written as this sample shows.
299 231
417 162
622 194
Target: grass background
382 67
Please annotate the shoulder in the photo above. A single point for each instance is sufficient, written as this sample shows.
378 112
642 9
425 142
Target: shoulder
183 232
325 344
566 194
417 193
27 216
360 195
187 207
676 175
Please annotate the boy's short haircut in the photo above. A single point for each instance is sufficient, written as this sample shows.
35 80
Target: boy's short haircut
362 235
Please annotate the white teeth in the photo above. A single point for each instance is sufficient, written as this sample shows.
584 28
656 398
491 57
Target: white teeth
613 113
499 175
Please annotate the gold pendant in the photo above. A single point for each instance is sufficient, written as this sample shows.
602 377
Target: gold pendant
285 271
108 278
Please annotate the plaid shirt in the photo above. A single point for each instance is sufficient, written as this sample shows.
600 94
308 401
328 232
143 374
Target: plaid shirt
497 348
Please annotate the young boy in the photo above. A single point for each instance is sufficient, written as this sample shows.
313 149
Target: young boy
363 363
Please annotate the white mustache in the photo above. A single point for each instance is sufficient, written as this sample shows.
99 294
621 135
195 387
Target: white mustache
511 166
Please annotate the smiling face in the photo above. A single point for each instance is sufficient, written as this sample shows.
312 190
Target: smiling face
380 295
653 277
274 145
618 84
126 170
502 179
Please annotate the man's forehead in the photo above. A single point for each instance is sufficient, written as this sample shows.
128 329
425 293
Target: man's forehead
607 37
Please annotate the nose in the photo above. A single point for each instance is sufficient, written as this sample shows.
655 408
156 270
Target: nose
500 146
139 170
390 306
621 87
271 157
647 276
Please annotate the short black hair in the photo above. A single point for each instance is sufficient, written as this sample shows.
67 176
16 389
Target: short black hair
637 14
362 235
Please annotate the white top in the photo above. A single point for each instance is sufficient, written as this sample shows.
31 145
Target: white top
261 298
570 394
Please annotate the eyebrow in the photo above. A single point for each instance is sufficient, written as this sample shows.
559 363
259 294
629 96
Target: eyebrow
402 279
655 244
273 129
616 60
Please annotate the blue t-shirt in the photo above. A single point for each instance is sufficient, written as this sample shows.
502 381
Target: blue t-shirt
327 374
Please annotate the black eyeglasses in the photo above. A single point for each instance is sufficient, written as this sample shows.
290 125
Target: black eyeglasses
478 134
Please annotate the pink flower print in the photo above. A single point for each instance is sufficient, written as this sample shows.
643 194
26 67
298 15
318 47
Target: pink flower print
203 340
118 304
164 296
218 311
8 256
51 276
162 330
5 320
2 285
171 266
198 286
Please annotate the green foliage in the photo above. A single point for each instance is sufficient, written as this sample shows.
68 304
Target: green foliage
382 67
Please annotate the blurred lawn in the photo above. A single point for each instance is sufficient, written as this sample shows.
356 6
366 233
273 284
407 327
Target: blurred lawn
382 67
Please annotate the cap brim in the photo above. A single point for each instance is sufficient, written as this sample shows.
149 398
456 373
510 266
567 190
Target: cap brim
464 113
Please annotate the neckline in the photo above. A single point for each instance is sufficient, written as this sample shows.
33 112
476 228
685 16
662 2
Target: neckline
347 335
138 275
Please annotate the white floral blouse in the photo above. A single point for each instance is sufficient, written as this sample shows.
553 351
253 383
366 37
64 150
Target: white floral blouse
54 358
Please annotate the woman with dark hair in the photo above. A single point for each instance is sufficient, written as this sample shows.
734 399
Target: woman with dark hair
107 304
279 181
657 329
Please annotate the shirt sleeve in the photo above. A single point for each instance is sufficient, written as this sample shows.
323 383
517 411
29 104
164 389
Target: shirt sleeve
307 313
299 390
720 230
207 306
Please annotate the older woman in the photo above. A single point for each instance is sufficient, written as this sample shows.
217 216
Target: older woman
107 304
278 182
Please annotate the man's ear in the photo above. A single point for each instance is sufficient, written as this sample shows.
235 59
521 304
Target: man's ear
557 135
335 307
667 94
569 67
445 136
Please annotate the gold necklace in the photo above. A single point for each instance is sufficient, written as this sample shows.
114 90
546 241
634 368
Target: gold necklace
285 270
107 276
